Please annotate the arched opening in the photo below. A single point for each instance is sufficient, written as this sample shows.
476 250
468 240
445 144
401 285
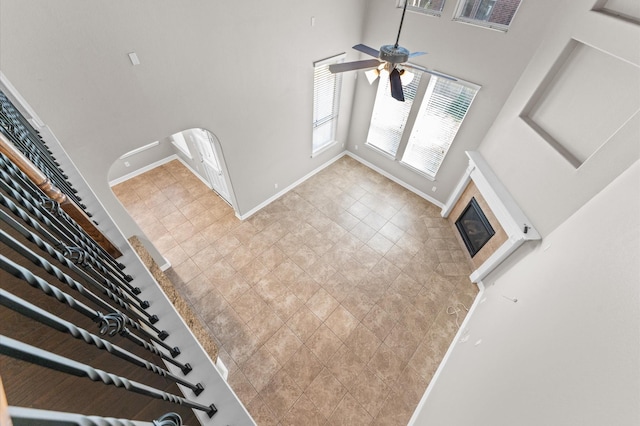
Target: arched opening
199 150
177 191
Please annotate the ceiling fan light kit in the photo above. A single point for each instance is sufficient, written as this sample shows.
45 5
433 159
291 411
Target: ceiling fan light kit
372 75
406 77
388 59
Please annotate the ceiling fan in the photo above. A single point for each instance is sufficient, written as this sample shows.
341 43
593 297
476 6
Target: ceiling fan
392 59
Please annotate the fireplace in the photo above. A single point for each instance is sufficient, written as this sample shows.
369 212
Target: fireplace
474 227
489 221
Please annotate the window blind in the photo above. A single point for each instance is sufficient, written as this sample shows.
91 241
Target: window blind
326 100
389 117
443 108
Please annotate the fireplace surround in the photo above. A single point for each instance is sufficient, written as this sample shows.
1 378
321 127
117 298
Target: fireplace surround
512 227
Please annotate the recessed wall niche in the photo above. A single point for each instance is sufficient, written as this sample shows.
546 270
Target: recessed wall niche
625 9
587 96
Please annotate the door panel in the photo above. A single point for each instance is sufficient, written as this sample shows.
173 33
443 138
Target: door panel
211 163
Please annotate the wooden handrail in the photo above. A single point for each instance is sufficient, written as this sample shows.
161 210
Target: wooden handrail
47 187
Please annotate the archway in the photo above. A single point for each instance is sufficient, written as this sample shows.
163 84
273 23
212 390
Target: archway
198 149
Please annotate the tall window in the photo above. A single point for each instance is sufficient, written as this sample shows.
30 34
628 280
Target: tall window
431 7
488 13
326 102
389 116
444 106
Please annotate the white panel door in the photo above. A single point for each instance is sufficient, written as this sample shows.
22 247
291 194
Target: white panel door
210 162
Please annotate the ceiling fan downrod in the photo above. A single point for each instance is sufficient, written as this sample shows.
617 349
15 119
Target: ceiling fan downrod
404 10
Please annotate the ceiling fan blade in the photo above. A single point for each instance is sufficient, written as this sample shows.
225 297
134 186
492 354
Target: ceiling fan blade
427 70
396 85
357 65
366 49
414 54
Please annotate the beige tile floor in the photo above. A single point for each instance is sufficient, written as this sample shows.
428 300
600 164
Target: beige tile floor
329 305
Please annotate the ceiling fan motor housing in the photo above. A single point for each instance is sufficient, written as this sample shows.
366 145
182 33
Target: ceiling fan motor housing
393 54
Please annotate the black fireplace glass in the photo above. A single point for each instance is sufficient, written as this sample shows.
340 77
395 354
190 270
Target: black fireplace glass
474 227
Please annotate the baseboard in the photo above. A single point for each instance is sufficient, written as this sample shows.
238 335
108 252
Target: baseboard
143 170
395 179
461 334
290 187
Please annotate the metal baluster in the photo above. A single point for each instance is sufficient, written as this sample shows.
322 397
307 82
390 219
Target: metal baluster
15 182
27 309
169 419
80 257
27 147
21 179
102 284
80 237
24 273
34 416
73 284
114 322
61 256
16 127
64 278
68 237
21 182
64 249
28 140
61 248
76 233
25 352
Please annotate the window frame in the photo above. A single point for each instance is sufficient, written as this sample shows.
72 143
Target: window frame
413 115
423 10
383 88
332 117
425 102
457 16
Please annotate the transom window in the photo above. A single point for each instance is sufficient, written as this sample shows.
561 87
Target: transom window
431 7
326 103
441 112
496 14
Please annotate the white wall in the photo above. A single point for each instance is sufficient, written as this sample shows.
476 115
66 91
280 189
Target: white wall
243 70
567 352
547 186
127 165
